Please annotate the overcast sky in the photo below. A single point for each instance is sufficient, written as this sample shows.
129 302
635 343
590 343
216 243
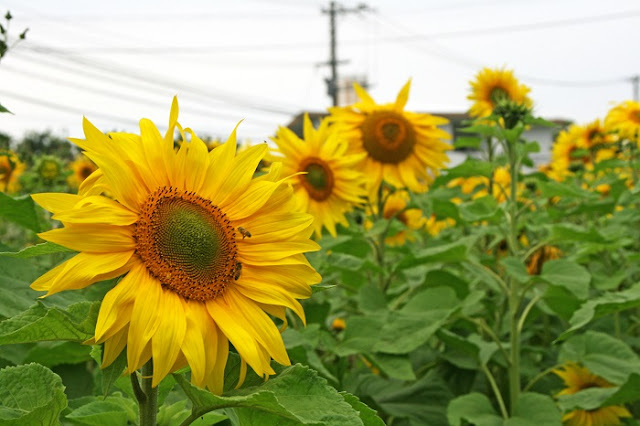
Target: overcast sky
118 61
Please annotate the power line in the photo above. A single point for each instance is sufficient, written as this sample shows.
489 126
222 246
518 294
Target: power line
414 37
118 95
157 80
468 62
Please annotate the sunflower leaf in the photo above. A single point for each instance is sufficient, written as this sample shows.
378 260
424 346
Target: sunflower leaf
606 304
36 250
533 409
297 395
475 408
567 274
21 211
40 323
30 394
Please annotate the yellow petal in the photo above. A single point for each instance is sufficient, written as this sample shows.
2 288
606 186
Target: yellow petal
92 238
98 209
403 96
167 341
113 347
56 202
82 270
144 320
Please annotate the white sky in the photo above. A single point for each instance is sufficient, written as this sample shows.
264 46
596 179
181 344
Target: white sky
118 61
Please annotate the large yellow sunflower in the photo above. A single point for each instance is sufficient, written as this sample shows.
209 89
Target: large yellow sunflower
82 168
10 170
624 118
329 185
404 148
492 85
205 250
577 378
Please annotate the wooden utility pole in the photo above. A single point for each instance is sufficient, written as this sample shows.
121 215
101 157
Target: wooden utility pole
332 82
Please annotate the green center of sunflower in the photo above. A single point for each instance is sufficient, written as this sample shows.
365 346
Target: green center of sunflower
318 181
498 94
187 243
387 136
49 170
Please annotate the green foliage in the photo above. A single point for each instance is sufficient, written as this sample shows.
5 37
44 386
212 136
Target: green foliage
30 394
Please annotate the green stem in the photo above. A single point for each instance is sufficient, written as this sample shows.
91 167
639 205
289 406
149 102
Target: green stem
514 294
496 391
540 376
483 326
149 405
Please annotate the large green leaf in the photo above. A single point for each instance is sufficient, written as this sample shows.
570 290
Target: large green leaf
40 323
485 208
603 355
37 250
297 395
15 294
109 411
368 416
20 210
567 274
474 408
30 395
534 409
604 305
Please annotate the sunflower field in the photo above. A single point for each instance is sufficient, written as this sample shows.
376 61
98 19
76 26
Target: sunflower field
342 275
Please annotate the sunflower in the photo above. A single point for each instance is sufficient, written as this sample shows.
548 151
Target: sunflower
49 168
205 252
404 148
493 85
10 170
540 256
328 185
395 206
624 118
577 378
82 168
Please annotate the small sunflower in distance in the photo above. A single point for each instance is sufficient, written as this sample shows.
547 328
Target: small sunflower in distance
625 119
82 168
576 379
493 85
10 170
404 148
328 185
205 250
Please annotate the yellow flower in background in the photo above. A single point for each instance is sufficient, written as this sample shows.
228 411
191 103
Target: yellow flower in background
329 184
404 148
10 170
624 118
577 378
492 85
434 226
206 250
338 324
82 168
540 256
49 168
479 185
396 206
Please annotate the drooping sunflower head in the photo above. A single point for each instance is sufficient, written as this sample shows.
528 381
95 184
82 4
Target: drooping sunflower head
395 207
624 119
82 168
405 149
328 184
207 252
491 86
10 170
540 256
577 378
49 168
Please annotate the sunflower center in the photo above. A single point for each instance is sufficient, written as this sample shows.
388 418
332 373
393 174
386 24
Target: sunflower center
85 172
319 178
635 116
187 243
387 136
498 94
49 170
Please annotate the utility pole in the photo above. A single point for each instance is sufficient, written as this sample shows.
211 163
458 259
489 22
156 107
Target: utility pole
635 80
334 9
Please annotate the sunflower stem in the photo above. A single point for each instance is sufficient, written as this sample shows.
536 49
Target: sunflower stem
514 293
149 406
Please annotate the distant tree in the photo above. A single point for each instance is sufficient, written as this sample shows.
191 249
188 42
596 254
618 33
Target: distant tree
41 143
